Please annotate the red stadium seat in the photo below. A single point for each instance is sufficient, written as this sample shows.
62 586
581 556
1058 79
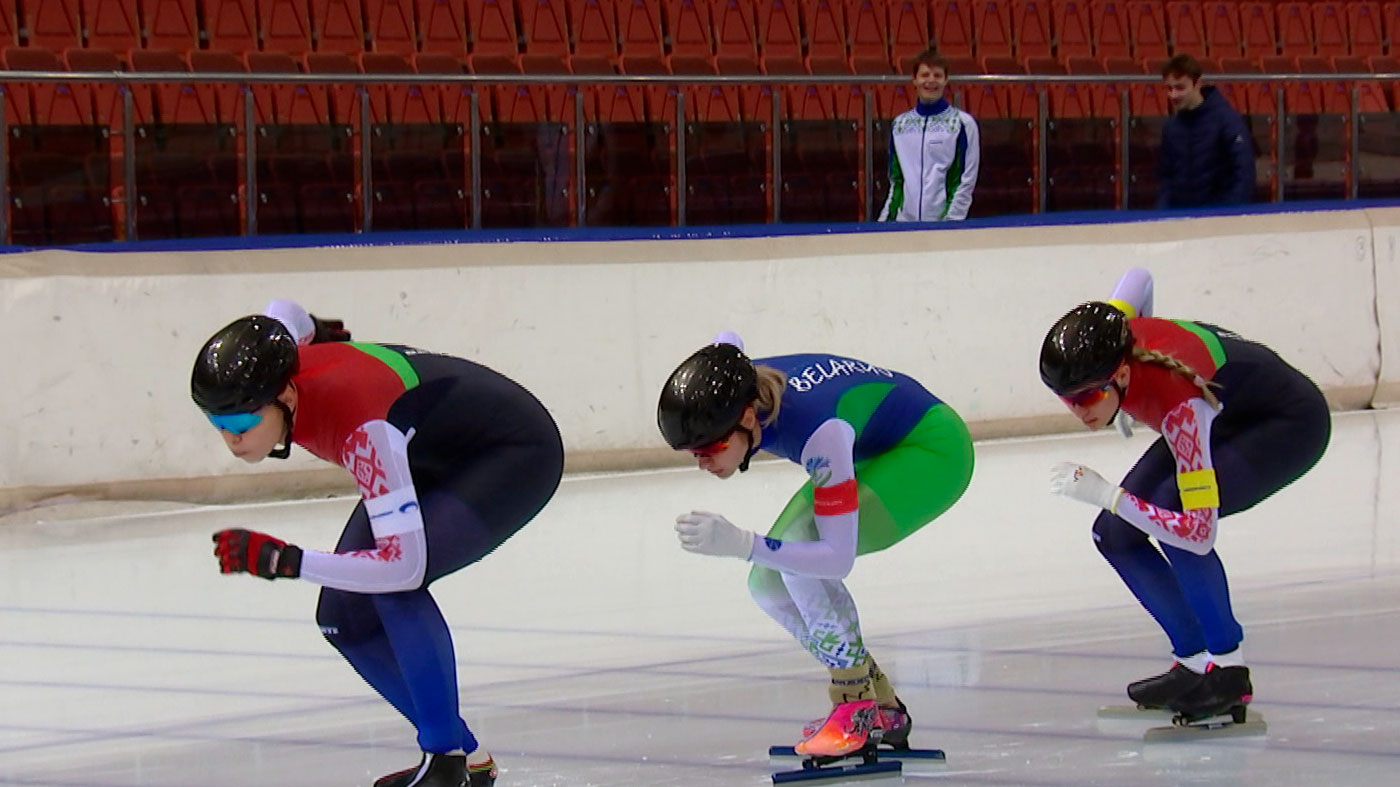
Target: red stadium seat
1112 28
285 26
389 25
1187 28
1295 30
9 29
1330 28
495 47
1031 21
344 101
171 102
594 26
951 23
909 33
170 24
227 102
111 24
104 98
1258 29
692 36
736 37
1390 12
642 42
443 26
231 25
992 21
1367 27
824 22
1147 23
286 104
398 103
545 28
779 36
338 26
1222 29
52 24
1370 93
869 25
1072 24
58 104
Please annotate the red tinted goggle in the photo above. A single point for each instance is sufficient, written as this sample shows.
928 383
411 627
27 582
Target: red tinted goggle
711 449
1088 397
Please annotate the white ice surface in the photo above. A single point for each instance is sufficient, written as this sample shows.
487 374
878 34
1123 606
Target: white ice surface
593 651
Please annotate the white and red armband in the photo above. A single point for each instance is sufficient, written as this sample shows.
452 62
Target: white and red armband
1186 430
376 454
829 458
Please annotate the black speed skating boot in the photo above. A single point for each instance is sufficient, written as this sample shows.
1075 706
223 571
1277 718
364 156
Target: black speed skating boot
1159 691
1224 690
435 770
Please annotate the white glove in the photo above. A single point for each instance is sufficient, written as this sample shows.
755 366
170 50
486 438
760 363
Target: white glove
1072 479
711 534
1124 422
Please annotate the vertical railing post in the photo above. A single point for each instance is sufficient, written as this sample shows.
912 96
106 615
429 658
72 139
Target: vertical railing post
869 154
1041 116
250 167
777 148
475 154
366 164
1280 139
129 160
580 171
1125 178
680 158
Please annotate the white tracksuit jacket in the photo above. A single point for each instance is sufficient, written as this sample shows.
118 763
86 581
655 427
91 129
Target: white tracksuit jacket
933 164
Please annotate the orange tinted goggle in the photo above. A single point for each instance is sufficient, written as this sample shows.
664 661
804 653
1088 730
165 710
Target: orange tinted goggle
1088 397
711 449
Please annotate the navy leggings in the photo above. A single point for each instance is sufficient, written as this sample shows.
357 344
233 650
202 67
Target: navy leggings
1273 428
473 497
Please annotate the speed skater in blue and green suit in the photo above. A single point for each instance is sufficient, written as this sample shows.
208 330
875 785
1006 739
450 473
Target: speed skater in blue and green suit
884 457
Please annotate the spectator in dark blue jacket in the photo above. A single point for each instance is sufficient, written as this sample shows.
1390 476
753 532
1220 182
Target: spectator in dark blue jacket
1207 155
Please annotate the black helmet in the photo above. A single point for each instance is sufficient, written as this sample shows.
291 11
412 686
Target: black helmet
244 366
1086 346
705 396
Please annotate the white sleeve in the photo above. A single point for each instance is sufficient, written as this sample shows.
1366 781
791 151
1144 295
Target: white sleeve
291 314
1135 290
829 458
972 162
377 455
1186 430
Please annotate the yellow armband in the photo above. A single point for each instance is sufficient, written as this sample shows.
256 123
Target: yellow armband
1198 489
1123 306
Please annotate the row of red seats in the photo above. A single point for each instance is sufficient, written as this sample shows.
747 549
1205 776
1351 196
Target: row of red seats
708 36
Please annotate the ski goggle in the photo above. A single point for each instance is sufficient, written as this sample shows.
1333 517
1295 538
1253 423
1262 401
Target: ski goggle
1089 396
234 423
712 449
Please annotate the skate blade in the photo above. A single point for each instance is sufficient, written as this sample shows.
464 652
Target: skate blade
883 752
1133 712
811 773
1209 729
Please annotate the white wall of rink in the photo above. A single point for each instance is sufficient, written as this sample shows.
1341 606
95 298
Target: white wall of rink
97 347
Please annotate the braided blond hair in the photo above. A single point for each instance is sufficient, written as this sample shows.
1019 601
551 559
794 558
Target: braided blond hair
1162 359
771 383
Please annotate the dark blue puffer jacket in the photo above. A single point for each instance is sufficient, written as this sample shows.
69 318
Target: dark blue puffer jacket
1207 156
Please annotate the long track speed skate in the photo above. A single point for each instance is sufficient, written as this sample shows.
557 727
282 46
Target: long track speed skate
880 756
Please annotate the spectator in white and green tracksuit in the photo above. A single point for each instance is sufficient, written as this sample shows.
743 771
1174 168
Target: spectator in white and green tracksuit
935 150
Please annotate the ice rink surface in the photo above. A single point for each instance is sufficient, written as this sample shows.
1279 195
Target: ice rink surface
593 651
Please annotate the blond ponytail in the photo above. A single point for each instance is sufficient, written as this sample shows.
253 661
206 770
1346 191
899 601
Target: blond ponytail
1162 359
771 383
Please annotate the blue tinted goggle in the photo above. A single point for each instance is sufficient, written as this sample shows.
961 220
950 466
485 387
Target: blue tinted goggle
235 423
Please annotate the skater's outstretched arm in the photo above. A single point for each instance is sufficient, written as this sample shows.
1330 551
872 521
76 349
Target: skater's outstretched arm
1133 295
1186 430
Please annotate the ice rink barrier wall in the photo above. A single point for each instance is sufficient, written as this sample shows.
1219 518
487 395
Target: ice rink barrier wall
98 345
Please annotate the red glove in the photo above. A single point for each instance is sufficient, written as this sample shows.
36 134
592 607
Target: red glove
256 553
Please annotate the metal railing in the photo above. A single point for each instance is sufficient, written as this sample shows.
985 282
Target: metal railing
248 141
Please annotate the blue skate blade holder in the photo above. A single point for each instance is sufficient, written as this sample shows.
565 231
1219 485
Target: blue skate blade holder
886 753
817 773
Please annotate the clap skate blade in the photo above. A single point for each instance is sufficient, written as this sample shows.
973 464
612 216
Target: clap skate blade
1236 722
829 769
884 752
